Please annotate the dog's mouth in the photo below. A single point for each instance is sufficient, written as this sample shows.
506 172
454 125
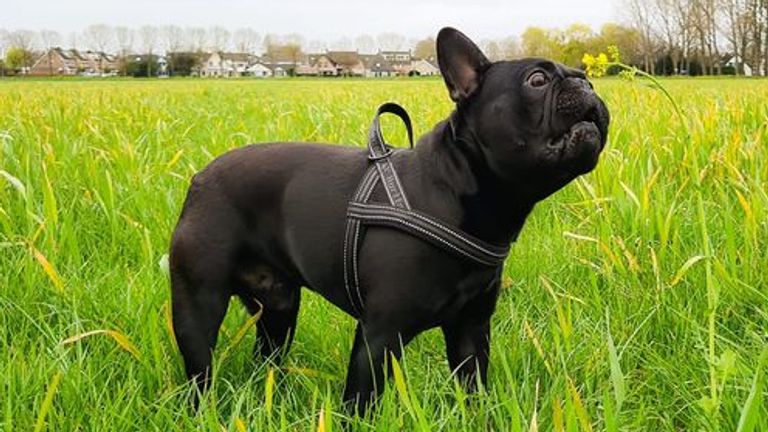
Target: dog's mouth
577 149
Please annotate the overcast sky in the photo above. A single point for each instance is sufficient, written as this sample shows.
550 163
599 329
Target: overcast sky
324 20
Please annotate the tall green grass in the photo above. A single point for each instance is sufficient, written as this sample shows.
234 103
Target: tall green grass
635 299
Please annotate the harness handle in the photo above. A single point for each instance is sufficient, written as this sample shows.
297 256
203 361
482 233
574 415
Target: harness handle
377 147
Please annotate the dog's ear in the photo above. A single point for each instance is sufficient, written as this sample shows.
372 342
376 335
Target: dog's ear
461 63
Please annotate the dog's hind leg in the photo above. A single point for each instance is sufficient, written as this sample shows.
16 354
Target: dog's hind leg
277 299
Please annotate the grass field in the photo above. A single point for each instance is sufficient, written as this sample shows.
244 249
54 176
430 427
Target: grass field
635 299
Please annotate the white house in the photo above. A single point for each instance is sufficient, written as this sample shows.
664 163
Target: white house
258 70
735 61
221 64
422 67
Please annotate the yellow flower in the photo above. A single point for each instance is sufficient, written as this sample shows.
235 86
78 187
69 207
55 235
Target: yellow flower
595 66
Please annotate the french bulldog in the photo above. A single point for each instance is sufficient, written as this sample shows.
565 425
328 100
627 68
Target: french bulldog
262 221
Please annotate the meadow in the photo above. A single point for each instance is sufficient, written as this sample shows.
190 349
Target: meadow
635 299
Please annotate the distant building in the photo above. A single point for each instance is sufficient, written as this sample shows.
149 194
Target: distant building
421 67
221 64
57 61
377 66
258 70
400 60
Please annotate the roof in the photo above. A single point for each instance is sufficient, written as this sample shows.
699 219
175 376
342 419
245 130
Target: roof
376 63
344 58
236 57
286 54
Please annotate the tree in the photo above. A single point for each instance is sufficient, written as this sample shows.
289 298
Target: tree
510 48
640 13
425 49
577 39
49 40
99 37
173 37
124 37
183 63
218 38
18 59
365 44
343 44
246 40
390 41
174 41
736 29
626 39
539 42
19 56
196 38
149 42
142 66
3 44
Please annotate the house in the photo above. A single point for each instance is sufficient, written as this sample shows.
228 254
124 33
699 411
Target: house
400 60
221 64
421 67
347 63
284 60
377 66
333 63
307 69
57 61
259 70
322 64
736 61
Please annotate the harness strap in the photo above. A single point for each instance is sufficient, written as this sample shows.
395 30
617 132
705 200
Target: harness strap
398 213
379 153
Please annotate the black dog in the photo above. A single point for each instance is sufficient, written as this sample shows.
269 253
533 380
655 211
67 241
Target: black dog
262 221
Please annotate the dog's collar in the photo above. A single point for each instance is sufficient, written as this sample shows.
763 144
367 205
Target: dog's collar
398 213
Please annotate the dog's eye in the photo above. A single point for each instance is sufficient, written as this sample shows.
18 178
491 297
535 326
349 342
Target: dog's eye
538 79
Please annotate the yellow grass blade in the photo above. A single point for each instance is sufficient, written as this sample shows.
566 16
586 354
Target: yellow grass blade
174 159
243 330
122 340
240 426
269 388
557 416
169 320
536 344
402 389
581 412
321 421
684 269
48 268
745 206
47 402
575 236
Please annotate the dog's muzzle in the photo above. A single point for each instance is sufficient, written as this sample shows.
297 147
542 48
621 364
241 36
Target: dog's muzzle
582 120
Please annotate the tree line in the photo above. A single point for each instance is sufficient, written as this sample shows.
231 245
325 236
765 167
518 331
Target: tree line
662 37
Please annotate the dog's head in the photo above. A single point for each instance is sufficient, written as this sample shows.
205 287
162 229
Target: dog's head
538 123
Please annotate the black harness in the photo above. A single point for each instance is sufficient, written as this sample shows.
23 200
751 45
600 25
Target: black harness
398 213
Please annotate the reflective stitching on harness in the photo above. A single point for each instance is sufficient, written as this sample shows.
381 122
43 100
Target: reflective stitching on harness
501 252
398 214
370 218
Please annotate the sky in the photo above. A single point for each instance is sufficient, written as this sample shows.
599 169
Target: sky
322 20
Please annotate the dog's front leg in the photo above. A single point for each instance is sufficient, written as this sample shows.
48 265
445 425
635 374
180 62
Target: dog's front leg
468 347
371 353
468 340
